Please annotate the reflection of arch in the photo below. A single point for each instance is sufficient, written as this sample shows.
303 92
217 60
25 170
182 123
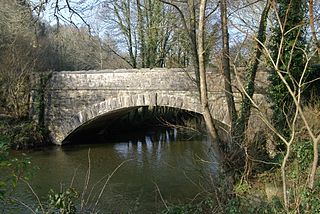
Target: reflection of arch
185 102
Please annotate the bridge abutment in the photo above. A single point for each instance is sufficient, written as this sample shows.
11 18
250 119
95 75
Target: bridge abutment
77 97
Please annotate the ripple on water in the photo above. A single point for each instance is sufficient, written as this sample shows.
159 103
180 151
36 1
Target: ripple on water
156 161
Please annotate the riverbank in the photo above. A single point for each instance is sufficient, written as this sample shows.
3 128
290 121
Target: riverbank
21 133
259 188
166 164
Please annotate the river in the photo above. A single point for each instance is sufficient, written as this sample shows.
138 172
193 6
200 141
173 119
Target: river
154 168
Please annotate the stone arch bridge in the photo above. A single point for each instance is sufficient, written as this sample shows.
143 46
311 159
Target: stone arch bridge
75 98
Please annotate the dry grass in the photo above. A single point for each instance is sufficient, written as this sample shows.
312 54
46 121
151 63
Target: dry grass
312 114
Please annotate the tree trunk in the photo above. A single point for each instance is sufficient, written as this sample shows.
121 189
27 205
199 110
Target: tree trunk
203 86
193 38
141 34
313 30
226 65
125 26
129 34
251 71
196 42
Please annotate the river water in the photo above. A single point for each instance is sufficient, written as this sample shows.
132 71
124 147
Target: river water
154 168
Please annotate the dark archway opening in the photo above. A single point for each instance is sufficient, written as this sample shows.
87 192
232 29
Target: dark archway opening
135 122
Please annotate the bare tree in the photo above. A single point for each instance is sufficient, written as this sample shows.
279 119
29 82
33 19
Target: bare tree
226 65
189 26
299 114
241 121
312 25
143 27
203 86
18 56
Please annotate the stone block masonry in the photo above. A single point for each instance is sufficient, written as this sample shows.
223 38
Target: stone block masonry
74 98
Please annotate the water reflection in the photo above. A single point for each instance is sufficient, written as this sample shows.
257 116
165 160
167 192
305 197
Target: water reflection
163 157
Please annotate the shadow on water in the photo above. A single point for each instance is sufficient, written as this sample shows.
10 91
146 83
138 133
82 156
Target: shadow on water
157 159
137 123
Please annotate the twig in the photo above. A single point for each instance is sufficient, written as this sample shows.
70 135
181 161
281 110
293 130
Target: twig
107 181
73 177
86 182
163 201
35 194
24 204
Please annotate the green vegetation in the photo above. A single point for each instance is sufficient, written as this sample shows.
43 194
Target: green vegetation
269 168
205 205
287 45
21 133
17 170
292 166
62 202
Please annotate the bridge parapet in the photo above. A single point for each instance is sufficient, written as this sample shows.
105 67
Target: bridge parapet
74 98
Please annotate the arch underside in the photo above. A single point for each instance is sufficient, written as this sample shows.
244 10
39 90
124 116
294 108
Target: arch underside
129 102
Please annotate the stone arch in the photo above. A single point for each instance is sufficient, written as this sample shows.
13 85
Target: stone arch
184 101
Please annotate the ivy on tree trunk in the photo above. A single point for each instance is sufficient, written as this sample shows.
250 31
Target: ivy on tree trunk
287 43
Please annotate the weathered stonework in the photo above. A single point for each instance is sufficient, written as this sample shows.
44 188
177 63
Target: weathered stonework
77 97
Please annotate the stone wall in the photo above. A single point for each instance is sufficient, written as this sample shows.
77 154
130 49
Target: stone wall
74 98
